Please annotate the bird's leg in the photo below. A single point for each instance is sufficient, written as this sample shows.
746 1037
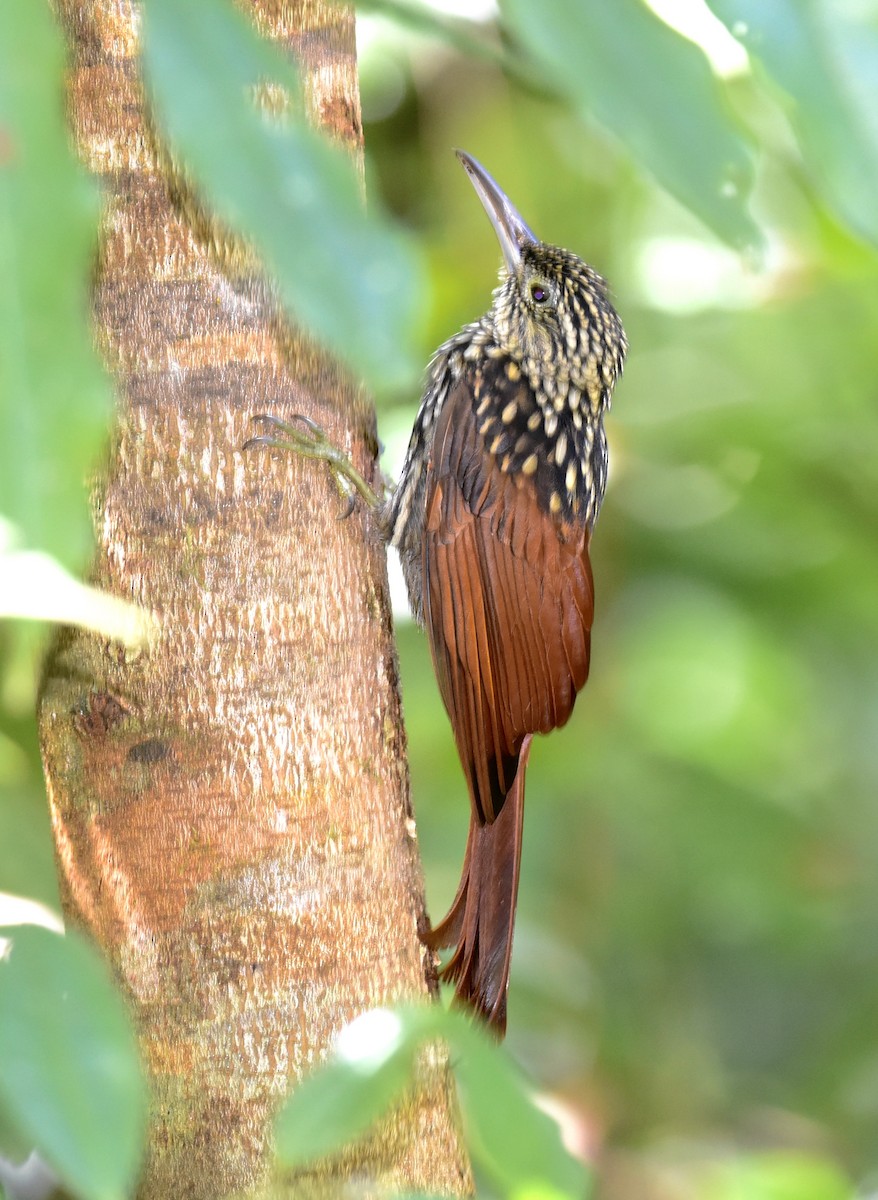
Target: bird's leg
312 442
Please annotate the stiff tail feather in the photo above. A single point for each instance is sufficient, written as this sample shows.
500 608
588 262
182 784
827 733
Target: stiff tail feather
480 922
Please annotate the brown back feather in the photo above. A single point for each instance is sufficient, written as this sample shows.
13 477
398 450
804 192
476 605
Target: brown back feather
508 599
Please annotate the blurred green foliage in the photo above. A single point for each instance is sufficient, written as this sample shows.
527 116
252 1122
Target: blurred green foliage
670 117
695 980
352 279
70 1077
515 1144
54 399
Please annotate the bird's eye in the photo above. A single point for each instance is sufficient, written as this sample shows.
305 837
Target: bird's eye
538 293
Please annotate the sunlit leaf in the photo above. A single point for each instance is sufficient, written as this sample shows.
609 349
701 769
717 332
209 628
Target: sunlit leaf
54 398
341 1100
337 1106
827 62
465 36
351 279
70 1078
516 1143
34 586
655 91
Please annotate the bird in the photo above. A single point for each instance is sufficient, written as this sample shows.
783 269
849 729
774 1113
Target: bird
492 517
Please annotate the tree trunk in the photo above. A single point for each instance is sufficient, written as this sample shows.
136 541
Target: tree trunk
231 809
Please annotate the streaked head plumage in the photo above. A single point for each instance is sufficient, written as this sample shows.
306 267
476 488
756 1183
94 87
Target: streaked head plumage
552 312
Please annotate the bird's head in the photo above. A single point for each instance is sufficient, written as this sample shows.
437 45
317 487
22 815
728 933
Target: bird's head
551 312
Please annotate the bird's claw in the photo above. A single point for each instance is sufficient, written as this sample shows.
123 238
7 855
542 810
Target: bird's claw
349 507
316 430
315 444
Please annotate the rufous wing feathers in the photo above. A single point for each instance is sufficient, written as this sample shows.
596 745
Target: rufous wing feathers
508 606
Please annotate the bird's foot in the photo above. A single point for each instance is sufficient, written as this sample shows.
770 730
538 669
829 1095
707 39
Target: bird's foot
312 442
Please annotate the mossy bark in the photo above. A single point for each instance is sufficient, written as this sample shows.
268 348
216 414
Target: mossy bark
231 809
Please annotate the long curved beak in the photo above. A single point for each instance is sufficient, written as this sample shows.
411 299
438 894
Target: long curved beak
508 223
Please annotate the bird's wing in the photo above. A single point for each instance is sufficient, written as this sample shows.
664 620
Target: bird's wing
508 596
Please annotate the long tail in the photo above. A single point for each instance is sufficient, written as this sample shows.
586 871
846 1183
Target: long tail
480 921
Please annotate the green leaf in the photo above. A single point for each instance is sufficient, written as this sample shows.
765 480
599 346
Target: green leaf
516 1143
34 586
71 1079
54 397
27 860
352 280
655 91
342 1099
827 62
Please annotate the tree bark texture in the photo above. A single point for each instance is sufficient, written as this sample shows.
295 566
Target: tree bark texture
231 808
